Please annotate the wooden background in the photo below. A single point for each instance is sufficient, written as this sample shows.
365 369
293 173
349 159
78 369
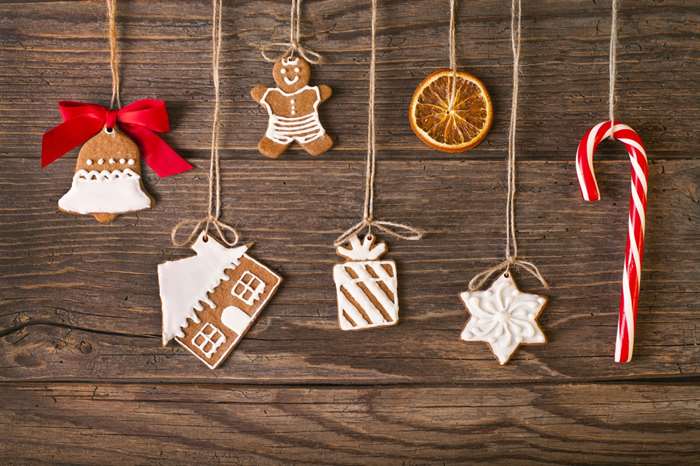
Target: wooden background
84 379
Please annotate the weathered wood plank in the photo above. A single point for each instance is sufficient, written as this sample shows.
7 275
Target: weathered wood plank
219 424
79 300
79 304
51 51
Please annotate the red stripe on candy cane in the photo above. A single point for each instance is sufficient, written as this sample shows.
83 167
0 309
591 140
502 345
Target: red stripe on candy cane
632 272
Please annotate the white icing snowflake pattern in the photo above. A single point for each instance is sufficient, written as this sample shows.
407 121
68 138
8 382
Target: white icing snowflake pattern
504 317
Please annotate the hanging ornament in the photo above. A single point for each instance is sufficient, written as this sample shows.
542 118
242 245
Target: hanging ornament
451 110
367 287
292 106
502 315
634 250
107 178
211 300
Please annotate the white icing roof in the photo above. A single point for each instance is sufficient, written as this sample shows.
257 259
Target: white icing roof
186 282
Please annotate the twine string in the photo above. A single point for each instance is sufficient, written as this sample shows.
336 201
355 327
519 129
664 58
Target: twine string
612 66
515 24
294 45
214 204
453 54
397 230
511 251
113 52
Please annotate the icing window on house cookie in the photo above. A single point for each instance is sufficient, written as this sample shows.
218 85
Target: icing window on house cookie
208 339
248 288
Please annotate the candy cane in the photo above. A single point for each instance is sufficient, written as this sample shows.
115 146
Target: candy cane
631 275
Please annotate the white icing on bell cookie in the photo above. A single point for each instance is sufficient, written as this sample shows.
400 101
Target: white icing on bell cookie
105 191
504 317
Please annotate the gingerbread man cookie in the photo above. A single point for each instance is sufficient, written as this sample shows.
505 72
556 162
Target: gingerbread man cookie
292 107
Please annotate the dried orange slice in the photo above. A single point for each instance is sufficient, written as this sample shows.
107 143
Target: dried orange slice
457 129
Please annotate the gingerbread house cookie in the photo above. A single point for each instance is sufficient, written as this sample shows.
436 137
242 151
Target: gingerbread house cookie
292 108
211 300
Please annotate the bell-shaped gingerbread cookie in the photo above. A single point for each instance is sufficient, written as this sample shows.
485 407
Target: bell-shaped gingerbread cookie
107 179
292 107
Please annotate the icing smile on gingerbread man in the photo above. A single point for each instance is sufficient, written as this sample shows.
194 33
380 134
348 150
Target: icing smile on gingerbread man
292 108
287 80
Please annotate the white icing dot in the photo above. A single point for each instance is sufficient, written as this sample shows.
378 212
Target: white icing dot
88 162
131 161
100 161
296 70
111 160
122 160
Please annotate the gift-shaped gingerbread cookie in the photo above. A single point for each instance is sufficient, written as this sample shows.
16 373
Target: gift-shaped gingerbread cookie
292 107
366 285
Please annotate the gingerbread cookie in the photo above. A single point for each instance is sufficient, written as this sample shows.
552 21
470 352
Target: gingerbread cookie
292 108
211 300
107 179
504 317
366 286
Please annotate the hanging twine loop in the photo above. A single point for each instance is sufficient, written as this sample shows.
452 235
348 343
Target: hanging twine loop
211 220
511 253
612 66
397 230
289 49
204 224
113 52
480 279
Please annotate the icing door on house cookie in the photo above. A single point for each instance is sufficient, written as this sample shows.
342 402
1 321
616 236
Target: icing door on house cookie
107 178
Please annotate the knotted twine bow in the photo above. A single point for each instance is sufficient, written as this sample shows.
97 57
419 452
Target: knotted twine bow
214 209
511 259
294 44
139 120
397 230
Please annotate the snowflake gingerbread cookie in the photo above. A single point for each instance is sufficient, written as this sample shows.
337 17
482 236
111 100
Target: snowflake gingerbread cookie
504 317
292 107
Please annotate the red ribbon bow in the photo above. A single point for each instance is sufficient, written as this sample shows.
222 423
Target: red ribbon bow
139 120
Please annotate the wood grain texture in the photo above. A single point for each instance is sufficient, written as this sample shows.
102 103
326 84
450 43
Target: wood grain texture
84 380
214 424
56 50
80 303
